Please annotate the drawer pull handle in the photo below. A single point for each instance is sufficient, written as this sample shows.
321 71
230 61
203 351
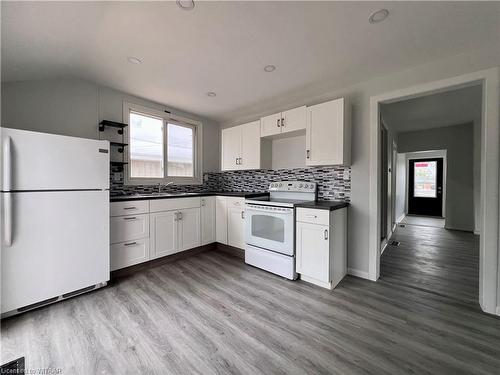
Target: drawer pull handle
129 208
130 244
326 234
130 218
312 216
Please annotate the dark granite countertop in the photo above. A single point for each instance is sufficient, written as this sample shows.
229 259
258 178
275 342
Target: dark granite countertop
324 205
241 194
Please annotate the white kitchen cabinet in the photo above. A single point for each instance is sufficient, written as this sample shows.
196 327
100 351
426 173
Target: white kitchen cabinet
231 148
236 222
208 220
321 246
129 253
189 228
270 125
241 147
164 233
328 134
221 219
128 228
284 122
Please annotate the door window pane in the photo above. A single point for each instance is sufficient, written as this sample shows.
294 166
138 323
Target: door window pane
146 146
180 152
425 179
268 227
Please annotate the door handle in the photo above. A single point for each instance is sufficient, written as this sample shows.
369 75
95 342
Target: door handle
282 122
129 208
176 216
326 234
7 164
7 220
308 154
130 243
179 216
130 218
278 123
243 215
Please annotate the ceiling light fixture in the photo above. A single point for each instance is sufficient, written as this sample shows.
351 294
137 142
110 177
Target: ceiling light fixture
378 16
211 94
185 4
134 60
269 68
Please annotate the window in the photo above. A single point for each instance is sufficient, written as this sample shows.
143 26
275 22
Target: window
162 147
424 185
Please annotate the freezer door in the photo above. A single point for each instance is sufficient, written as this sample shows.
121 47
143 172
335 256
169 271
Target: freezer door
38 161
59 243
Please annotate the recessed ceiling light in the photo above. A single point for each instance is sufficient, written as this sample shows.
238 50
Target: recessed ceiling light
211 94
185 4
134 60
269 68
378 16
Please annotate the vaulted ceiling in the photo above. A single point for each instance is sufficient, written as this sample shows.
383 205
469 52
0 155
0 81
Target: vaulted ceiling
224 46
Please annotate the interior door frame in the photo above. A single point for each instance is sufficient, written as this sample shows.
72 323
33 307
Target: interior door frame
490 137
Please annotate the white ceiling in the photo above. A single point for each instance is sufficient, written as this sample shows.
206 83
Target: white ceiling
224 46
437 110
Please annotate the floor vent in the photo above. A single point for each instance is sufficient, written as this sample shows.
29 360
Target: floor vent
394 243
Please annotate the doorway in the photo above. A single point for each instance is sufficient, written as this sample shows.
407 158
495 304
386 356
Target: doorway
489 171
425 187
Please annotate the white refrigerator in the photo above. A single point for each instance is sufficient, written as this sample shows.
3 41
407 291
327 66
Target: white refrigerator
54 217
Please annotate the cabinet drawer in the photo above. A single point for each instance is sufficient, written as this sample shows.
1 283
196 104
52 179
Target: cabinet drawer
236 202
129 208
129 253
128 228
310 215
159 205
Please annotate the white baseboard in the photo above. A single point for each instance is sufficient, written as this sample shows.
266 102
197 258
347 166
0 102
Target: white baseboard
400 219
358 273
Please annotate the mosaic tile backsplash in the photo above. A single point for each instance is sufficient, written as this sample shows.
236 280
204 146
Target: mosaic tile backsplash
334 183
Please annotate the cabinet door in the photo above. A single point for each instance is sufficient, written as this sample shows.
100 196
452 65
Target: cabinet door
164 233
207 220
231 148
325 133
221 220
127 254
236 227
189 228
312 246
270 125
250 145
294 119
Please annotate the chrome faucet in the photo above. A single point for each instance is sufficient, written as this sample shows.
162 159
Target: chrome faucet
160 185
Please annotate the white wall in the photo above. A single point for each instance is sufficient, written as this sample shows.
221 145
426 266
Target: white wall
359 95
400 196
289 152
74 107
458 143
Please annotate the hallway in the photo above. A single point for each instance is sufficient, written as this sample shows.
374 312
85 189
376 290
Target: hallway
434 260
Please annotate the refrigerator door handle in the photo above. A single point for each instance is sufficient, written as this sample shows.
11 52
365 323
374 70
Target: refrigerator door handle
7 171
7 219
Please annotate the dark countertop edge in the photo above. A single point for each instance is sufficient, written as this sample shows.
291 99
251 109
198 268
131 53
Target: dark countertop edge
189 195
324 205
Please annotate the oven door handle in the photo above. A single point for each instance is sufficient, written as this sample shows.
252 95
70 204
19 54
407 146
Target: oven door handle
257 208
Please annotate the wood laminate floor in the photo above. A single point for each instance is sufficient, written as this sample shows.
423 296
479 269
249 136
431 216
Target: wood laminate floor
212 314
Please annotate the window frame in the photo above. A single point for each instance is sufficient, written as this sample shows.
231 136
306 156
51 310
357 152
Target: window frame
175 120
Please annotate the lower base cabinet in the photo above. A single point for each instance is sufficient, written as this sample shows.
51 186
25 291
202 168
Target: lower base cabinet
129 253
321 243
208 226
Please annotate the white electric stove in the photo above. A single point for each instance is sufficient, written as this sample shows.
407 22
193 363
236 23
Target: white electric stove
270 226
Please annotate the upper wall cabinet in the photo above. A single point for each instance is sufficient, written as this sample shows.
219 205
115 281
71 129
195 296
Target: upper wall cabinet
283 122
328 134
241 147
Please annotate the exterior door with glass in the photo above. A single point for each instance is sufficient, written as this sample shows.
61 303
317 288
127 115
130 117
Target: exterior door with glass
425 187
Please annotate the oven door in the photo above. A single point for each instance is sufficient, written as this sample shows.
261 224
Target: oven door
270 228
